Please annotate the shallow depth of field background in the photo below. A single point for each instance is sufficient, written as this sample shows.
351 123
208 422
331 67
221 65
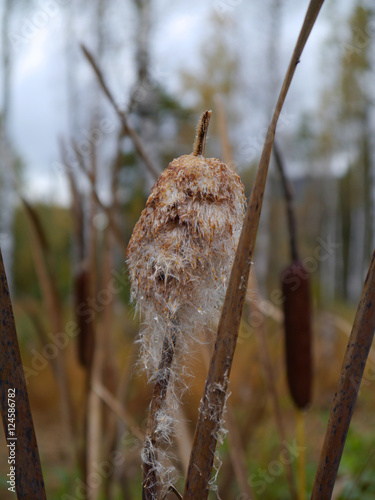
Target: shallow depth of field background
167 62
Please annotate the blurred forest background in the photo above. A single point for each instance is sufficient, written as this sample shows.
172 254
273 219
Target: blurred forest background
72 186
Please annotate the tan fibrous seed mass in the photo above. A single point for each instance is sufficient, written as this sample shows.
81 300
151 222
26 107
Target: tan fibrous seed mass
182 248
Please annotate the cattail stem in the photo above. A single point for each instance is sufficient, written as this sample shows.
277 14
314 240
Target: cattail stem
151 482
354 362
288 194
200 138
197 483
302 455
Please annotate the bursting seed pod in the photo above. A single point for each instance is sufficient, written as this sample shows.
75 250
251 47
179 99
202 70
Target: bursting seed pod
179 259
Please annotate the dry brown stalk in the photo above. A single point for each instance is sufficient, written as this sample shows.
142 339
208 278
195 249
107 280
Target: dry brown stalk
129 130
151 483
29 481
118 409
77 206
252 298
108 211
52 305
353 366
215 393
94 421
289 201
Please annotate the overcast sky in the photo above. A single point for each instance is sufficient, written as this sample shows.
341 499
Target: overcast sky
38 111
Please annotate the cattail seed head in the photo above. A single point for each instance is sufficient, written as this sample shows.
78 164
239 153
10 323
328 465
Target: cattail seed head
182 248
185 240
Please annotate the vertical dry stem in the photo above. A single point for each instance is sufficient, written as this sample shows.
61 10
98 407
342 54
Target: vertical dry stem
153 169
345 398
151 483
288 194
53 307
28 471
210 414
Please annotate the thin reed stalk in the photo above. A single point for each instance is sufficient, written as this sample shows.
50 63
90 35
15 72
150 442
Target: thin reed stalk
210 413
20 435
353 366
151 483
153 169
53 308
234 441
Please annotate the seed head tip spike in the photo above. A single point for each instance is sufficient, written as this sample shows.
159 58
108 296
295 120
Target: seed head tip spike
200 138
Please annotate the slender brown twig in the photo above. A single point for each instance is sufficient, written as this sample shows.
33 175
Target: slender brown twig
357 351
289 201
108 211
117 408
210 414
128 129
53 307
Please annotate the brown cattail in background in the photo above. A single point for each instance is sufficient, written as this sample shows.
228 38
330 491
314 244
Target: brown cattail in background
297 311
297 324
179 259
